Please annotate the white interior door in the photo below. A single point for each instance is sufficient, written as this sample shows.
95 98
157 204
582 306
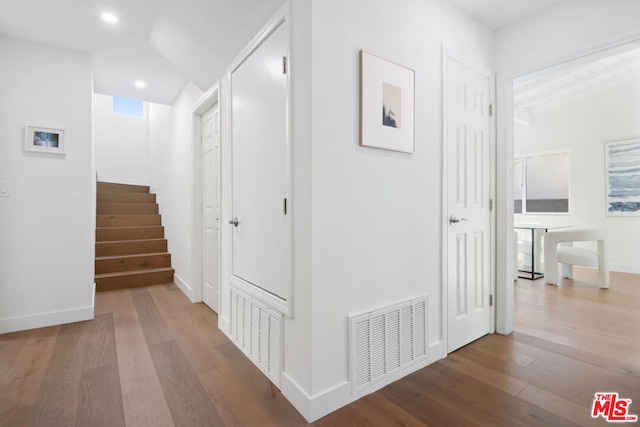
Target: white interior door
211 207
468 156
261 237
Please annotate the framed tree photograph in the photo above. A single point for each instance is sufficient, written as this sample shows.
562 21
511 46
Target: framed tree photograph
622 166
387 104
44 140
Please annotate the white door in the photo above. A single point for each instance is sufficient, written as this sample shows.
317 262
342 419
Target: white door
468 154
261 237
210 207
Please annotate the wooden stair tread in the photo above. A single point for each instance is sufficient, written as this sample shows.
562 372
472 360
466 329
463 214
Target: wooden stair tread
130 247
146 254
127 227
126 198
117 215
124 188
133 272
128 220
128 204
110 234
131 241
108 208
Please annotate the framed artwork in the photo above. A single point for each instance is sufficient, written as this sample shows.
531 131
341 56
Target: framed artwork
44 140
387 104
622 166
541 183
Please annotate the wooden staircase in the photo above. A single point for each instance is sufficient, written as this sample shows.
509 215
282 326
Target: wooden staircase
131 250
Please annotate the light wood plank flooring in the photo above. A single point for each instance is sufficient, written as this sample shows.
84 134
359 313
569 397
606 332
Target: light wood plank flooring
151 358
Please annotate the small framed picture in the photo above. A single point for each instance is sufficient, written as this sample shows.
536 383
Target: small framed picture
44 140
386 104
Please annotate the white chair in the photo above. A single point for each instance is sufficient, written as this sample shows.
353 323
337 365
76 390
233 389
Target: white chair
558 249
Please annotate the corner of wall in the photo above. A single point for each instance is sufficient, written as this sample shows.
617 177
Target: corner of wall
184 287
312 408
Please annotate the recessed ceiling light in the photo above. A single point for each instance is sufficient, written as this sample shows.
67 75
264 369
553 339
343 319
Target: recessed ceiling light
110 18
140 84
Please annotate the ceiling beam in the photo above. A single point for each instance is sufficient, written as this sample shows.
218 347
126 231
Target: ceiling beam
557 92
563 70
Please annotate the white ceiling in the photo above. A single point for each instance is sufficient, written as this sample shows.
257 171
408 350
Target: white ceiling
499 13
162 42
169 42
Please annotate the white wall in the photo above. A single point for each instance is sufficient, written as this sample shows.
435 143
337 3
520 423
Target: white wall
583 126
559 30
375 215
47 226
121 144
171 145
298 354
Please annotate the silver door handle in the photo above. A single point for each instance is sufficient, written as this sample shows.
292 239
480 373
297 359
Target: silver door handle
454 220
234 222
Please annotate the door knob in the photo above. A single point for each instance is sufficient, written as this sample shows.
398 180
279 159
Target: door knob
454 220
234 222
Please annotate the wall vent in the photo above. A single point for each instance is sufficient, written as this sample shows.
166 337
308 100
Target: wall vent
387 341
257 330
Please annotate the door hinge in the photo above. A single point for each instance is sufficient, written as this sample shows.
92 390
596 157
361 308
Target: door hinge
284 64
490 204
285 206
490 300
491 110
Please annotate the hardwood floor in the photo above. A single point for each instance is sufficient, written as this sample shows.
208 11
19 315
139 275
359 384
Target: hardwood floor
151 358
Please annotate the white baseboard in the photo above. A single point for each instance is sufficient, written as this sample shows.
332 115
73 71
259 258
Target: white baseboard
315 407
186 289
42 320
223 325
633 269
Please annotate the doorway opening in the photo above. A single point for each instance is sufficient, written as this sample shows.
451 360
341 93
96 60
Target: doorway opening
529 103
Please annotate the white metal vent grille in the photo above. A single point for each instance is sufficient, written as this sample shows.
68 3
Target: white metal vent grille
387 341
257 331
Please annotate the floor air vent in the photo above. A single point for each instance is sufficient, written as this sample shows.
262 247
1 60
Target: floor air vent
387 341
257 331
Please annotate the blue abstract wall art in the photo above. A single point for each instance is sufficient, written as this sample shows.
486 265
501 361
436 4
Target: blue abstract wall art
622 162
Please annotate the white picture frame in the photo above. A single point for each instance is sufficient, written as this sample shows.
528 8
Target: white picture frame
44 140
387 104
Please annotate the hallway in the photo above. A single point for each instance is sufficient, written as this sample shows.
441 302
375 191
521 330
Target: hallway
151 357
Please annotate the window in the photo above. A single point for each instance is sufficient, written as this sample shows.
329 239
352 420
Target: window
127 106
541 183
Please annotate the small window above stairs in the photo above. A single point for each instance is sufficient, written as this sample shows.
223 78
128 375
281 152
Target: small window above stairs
131 250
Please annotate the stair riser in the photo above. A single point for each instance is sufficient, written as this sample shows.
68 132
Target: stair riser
126 197
127 208
127 220
130 248
121 188
110 234
134 281
105 266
